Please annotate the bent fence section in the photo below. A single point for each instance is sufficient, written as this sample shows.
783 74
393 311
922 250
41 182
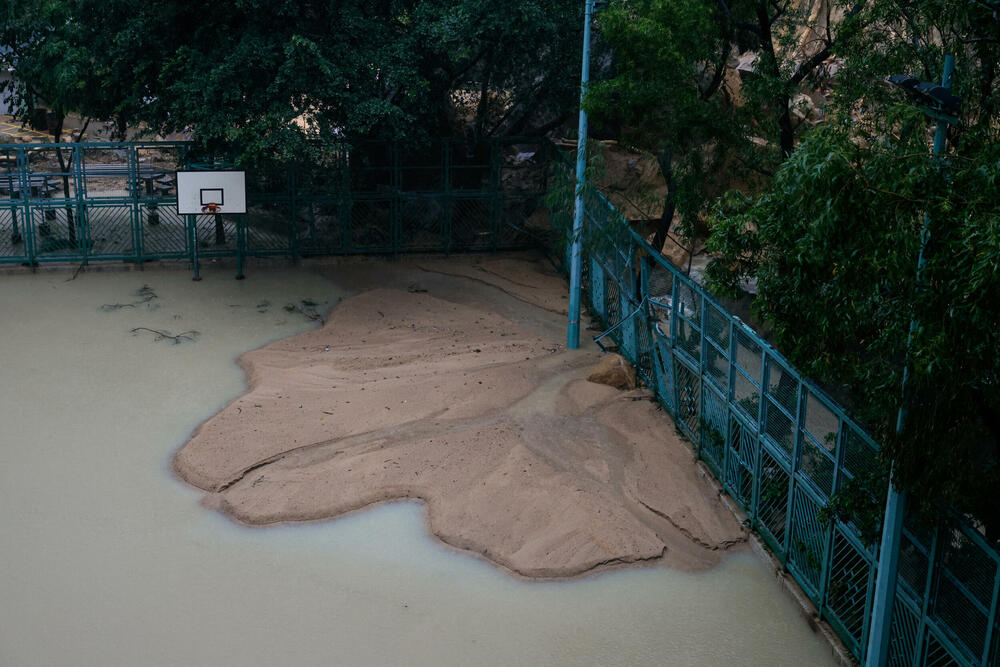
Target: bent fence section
91 202
780 448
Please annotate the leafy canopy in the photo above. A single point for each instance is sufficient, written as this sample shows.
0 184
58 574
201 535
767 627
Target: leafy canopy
834 243
274 78
673 89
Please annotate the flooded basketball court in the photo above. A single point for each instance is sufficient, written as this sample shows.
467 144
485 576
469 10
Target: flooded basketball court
108 559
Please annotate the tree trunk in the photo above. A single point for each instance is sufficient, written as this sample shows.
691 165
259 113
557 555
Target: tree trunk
64 171
220 230
785 125
664 159
787 130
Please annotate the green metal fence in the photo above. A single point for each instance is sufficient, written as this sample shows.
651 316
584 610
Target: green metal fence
780 447
91 202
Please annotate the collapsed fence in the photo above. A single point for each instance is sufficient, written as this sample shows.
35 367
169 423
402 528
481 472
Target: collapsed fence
90 202
781 448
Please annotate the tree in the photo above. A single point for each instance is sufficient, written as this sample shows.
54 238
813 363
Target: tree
673 90
287 78
833 246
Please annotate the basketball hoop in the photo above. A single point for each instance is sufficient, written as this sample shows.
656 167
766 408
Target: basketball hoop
211 208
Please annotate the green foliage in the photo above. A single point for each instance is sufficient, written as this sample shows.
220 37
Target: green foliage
833 246
860 501
287 78
671 90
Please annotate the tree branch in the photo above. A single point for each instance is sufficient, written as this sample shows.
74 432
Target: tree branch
720 72
749 27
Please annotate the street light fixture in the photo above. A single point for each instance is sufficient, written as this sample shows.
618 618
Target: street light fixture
937 102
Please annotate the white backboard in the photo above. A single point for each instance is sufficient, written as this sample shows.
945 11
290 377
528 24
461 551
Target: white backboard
197 189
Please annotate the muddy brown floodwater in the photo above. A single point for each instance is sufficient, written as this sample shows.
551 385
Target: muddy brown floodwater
109 559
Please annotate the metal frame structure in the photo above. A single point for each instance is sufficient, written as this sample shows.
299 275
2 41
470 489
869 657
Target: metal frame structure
89 202
780 447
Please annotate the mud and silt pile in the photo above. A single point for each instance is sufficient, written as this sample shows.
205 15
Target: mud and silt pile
411 394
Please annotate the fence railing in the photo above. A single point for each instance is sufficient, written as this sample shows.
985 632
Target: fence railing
780 448
92 202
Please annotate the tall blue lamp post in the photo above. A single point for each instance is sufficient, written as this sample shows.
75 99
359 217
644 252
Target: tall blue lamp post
938 103
576 238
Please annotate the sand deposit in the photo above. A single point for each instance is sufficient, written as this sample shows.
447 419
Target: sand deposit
449 381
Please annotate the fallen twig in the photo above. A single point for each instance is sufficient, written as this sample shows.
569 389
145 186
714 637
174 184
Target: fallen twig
145 294
162 335
76 273
307 309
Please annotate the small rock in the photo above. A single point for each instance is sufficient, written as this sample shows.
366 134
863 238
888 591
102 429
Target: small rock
613 371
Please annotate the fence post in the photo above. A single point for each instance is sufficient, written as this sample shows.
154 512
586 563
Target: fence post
764 379
794 465
730 391
135 208
932 558
835 485
28 223
241 235
192 222
448 200
675 293
397 189
629 343
82 214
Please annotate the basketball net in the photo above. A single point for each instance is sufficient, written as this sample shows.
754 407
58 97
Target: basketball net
211 208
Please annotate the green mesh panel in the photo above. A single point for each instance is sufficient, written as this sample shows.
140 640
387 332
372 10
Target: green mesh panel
689 339
660 318
644 343
714 416
613 306
110 231
779 427
660 283
805 548
816 463
741 462
59 233
821 422
421 223
772 503
782 386
717 367
167 238
269 227
470 224
688 399
937 654
904 635
717 327
689 303
13 236
371 225
746 395
748 357
913 566
859 455
216 235
964 589
847 589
